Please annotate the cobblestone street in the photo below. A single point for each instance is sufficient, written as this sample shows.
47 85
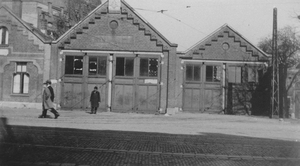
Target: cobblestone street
79 139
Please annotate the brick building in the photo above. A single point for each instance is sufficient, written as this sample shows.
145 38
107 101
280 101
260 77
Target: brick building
24 54
220 73
41 14
138 70
115 49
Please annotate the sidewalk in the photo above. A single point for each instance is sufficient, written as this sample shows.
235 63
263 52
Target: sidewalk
180 123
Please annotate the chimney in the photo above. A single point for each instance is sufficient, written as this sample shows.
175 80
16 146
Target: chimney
114 6
40 17
50 9
17 7
61 10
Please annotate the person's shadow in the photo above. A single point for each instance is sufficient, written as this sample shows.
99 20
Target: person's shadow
6 132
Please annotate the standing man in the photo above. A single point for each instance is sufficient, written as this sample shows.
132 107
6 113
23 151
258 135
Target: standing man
95 100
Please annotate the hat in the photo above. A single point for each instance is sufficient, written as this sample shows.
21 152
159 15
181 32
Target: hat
48 82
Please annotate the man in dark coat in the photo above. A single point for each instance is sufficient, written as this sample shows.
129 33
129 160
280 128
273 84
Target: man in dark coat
95 100
48 103
48 82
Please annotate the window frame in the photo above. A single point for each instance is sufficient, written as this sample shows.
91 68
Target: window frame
214 73
148 67
73 65
241 75
256 75
4 41
124 66
23 89
98 66
193 65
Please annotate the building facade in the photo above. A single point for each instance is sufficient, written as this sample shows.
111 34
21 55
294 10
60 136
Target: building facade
136 69
220 73
23 61
115 49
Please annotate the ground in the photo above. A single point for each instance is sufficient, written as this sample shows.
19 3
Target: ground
79 138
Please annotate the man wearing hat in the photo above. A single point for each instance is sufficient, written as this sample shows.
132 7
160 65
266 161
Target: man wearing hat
47 101
95 100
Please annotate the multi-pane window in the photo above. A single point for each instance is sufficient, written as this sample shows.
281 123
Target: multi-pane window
193 72
213 73
74 65
235 74
21 79
3 35
97 65
148 67
124 66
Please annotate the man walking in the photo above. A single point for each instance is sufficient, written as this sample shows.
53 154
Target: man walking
48 84
95 100
47 101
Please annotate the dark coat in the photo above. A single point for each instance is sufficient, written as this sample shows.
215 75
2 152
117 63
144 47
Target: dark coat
52 93
47 99
95 98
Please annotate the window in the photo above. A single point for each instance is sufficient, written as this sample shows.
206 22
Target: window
235 74
252 75
21 79
193 72
124 66
97 66
213 73
148 67
3 35
74 65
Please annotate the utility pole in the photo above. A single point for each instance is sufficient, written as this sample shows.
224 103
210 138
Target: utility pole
275 70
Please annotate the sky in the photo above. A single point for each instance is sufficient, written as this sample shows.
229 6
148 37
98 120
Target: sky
186 22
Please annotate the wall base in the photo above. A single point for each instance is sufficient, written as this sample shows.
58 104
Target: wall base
20 105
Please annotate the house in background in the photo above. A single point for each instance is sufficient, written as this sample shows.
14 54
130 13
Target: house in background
24 61
41 14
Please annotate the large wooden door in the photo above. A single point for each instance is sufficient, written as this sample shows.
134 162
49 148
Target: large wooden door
202 87
135 83
193 88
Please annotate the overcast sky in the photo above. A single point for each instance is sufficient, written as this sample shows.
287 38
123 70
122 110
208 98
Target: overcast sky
185 22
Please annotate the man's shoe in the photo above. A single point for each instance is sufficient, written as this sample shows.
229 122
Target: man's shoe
56 116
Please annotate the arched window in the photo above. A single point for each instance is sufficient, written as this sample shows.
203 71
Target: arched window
21 79
3 35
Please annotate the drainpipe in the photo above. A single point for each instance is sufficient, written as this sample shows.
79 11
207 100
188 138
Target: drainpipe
223 87
168 68
110 74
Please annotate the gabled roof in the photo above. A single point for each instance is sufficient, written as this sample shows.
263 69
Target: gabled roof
41 36
101 8
232 33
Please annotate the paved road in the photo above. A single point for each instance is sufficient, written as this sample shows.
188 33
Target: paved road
77 138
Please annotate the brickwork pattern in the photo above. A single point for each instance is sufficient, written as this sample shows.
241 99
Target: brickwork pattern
45 146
